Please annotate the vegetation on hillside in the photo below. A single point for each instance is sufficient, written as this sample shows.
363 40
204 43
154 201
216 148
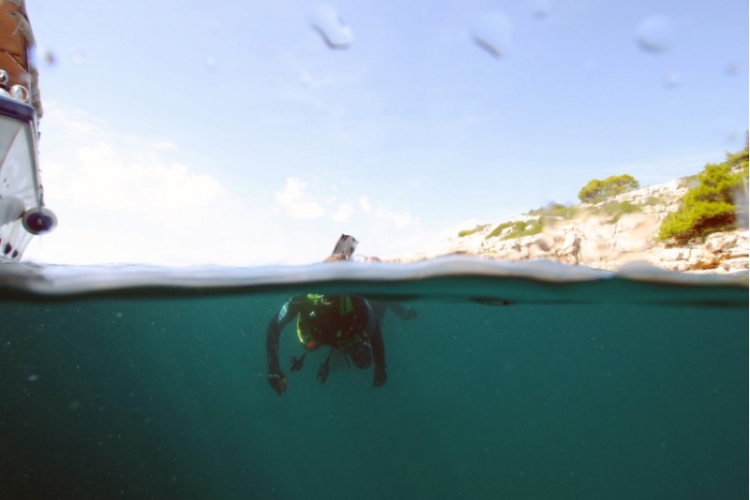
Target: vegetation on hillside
517 229
468 232
599 190
711 205
555 212
616 209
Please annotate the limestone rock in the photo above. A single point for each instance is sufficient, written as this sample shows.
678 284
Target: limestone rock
598 240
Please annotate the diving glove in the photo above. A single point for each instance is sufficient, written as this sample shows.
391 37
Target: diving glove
380 376
277 380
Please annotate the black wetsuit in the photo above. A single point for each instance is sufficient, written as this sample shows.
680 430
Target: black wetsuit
346 324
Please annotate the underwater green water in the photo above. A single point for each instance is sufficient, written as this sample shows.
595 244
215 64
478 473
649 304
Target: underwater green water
165 396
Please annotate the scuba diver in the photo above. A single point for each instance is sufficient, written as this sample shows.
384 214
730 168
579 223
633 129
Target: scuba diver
346 324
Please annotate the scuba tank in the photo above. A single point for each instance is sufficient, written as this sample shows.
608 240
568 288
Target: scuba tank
345 246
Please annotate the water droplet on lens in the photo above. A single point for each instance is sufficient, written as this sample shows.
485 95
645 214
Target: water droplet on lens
41 56
49 58
493 32
732 137
335 32
542 9
672 79
655 34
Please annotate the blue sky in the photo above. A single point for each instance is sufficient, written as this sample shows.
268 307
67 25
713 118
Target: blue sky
231 133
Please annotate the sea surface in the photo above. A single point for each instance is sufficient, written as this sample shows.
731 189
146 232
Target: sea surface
518 381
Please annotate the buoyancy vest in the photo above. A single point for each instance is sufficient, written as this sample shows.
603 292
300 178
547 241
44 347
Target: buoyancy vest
337 321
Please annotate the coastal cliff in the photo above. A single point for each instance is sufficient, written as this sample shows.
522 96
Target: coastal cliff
604 235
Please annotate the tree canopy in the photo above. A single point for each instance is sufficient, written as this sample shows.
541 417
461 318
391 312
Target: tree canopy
599 190
711 205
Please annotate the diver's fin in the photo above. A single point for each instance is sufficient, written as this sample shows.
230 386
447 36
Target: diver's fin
324 368
323 373
345 246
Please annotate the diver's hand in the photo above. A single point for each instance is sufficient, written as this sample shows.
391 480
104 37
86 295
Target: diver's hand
277 380
380 376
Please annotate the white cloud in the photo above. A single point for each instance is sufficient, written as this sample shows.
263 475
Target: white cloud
365 204
343 213
74 122
120 200
315 83
298 203
117 200
106 176
400 220
164 146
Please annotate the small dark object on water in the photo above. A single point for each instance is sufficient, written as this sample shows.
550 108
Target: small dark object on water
489 301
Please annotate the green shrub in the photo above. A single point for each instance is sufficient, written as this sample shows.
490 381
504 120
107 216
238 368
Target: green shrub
654 200
556 210
519 229
614 209
468 232
709 206
499 229
599 190
617 209
699 219
525 228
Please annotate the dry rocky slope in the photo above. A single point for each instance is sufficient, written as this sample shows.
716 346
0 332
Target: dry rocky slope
607 241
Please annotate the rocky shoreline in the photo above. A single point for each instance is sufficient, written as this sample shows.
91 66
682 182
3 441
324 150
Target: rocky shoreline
604 241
